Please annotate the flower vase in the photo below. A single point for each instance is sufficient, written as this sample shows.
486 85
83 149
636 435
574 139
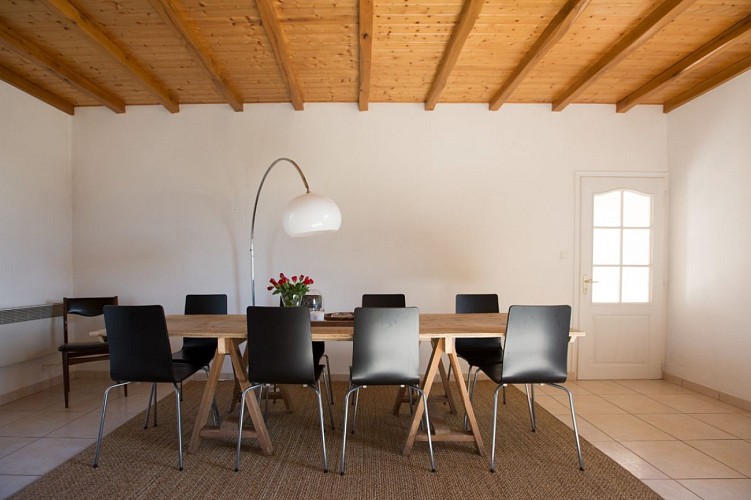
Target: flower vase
291 300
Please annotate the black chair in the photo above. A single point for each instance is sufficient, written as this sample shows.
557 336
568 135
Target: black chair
195 351
279 353
479 351
140 352
385 351
75 353
535 352
384 300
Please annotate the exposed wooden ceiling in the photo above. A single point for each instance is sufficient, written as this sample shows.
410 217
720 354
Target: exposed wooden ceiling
118 53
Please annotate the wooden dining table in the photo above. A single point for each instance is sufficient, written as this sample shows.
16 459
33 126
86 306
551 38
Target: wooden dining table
440 329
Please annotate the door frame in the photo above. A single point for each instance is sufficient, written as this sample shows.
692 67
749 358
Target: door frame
578 175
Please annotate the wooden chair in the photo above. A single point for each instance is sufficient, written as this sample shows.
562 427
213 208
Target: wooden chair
75 353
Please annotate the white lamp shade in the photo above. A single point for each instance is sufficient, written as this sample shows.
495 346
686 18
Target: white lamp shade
311 213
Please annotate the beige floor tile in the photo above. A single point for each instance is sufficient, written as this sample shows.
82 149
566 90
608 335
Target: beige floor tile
35 402
670 489
586 430
574 387
715 489
10 444
734 423
681 461
42 455
590 405
600 387
551 405
7 417
10 484
735 454
694 403
627 428
40 424
683 427
654 387
638 403
88 425
629 460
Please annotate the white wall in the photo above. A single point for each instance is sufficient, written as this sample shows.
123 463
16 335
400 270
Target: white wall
709 340
35 233
433 203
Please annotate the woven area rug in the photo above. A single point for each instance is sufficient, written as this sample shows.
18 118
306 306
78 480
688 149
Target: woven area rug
138 463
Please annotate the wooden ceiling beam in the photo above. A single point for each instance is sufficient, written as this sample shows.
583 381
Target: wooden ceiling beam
169 10
688 63
463 27
646 29
715 81
70 76
366 52
34 90
552 34
104 42
279 43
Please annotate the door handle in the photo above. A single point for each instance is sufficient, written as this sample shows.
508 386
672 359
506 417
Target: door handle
587 283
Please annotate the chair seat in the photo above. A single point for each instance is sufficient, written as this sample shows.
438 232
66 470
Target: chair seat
182 371
93 347
495 373
195 356
319 348
479 357
385 379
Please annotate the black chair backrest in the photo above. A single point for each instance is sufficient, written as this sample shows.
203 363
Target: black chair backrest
279 342
384 300
84 306
471 303
139 345
536 345
385 347
204 304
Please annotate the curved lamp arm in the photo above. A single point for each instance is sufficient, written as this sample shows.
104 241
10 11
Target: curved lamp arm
319 213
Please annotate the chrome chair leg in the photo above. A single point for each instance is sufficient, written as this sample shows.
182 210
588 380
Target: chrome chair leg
240 423
317 390
495 423
328 384
573 420
101 421
427 427
344 432
354 414
148 407
178 399
530 390
329 402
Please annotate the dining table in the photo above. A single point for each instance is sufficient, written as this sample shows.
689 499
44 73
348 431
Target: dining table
439 329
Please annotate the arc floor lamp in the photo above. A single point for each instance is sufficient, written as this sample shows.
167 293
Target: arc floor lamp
305 215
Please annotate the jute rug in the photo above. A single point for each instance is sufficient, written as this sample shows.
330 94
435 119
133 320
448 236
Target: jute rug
138 463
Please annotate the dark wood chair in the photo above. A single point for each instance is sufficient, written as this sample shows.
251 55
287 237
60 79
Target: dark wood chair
75 353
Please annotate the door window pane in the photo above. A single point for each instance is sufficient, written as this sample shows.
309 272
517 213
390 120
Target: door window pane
637 209
635 284
606 247
636 247
607 209
608 284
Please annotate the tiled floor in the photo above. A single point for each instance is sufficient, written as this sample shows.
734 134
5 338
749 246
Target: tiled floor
680 443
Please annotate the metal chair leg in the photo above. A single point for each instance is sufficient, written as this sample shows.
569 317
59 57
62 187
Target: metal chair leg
178 399
329 402
323 430
529 389
495 418
427 427
573 420
240 423
148 406
344 431
354 414
328 384
101 422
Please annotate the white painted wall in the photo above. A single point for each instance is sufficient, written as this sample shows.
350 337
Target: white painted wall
433 203
35 233
709 145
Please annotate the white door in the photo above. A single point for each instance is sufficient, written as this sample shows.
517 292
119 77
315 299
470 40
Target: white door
622 280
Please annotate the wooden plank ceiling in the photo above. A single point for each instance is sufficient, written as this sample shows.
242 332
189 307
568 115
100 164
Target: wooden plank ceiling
119 53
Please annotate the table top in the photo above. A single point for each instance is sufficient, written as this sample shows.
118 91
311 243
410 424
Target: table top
432 326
